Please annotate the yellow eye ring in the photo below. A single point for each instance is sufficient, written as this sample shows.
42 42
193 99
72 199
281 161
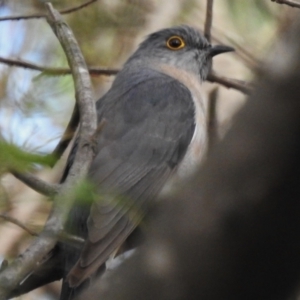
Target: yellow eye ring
175 43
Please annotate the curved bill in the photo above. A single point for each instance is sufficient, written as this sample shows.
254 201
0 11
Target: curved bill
219 49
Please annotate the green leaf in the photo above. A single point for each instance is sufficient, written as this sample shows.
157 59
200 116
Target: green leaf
14 158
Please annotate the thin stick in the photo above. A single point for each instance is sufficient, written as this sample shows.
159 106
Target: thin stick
63 236
68 134
37 16
37 184
288 2
230 83
55 71
208 19
75 8
18 223
212 122
227 82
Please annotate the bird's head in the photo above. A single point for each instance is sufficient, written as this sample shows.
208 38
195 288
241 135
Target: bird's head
182 47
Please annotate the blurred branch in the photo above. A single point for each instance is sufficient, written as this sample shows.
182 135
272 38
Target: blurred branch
212 122
208 20
230 83
75 8
11 276
18 223
288 2
68 134
231 232
54 71
37 16
37 184
63 236
212 103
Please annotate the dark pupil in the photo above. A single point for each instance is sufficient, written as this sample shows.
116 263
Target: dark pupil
175 43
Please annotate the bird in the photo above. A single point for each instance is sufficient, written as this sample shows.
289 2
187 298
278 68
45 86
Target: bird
154 134
155 131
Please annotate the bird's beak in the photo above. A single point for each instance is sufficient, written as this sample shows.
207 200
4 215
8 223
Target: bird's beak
218 49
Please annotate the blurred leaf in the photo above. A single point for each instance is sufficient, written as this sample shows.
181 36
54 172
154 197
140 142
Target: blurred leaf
250 15
12 157
85 191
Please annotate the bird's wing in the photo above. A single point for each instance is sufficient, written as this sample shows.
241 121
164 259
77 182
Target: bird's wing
148 128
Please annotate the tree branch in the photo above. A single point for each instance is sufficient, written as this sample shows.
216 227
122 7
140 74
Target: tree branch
37 184
288 2
75 8
18 223
62 236
208 19
212 122
230 83
68 134
227 82
37 16
54 71
17 271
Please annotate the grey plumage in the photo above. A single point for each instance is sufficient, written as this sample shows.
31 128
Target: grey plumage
150 116
141 145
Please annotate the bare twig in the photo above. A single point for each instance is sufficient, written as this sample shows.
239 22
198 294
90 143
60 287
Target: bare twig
75 8
68 134
212 122
102 71
230 83
54 71
37 184
208 20
63 236
18 270
227 82
18 223
288 2
37 16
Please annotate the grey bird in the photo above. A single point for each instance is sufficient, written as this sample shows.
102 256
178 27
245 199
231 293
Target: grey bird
154 132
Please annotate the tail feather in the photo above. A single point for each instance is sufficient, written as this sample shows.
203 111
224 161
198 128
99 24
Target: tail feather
70 293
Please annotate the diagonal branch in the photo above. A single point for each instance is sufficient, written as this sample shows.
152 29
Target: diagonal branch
11 276
37 184
230 83
18 223
75 8
37 16
288 2
63 236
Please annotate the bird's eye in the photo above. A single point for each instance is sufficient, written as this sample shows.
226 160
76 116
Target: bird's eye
175 43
